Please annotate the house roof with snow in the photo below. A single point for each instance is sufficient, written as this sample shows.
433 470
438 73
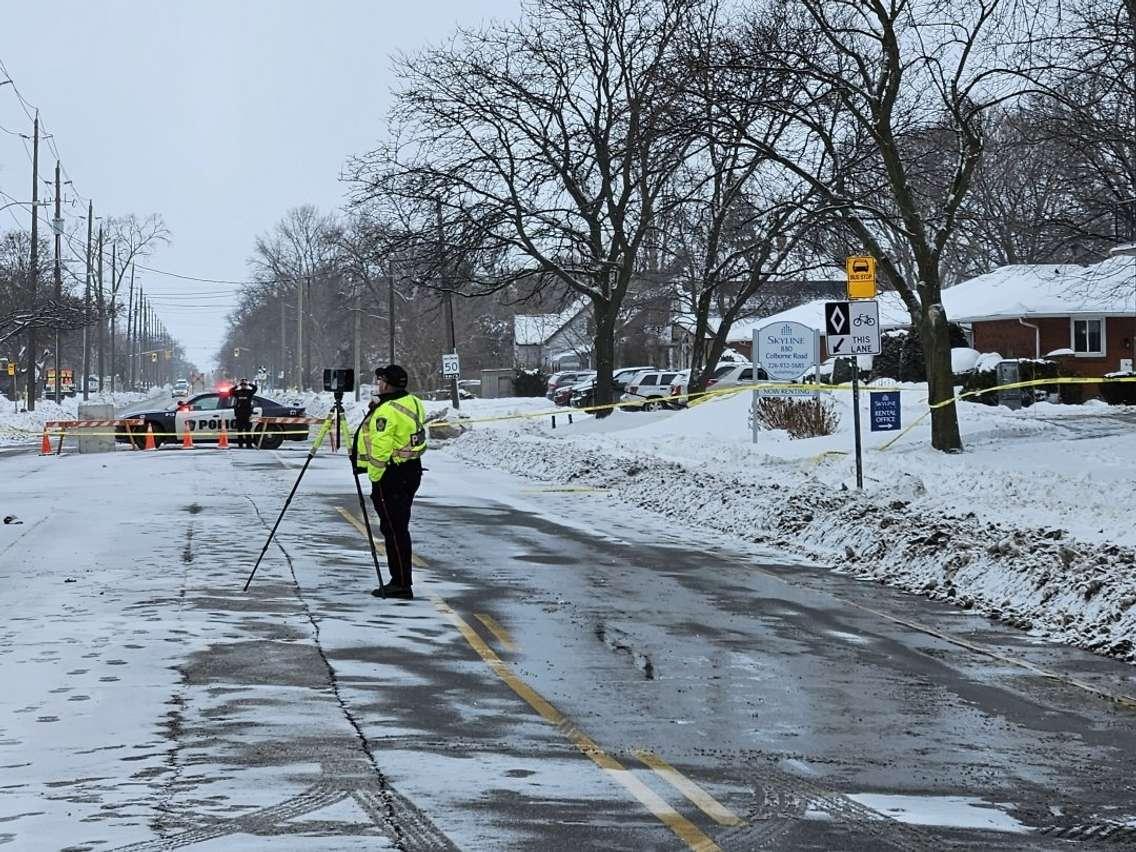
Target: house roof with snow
1022 290
1051 290
536 329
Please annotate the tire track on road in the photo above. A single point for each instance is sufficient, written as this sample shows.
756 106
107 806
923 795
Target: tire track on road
406 825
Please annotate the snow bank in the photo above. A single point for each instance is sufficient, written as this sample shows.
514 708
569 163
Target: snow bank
1024 526
18 425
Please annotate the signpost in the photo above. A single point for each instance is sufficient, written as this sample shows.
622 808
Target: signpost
885 411
853 329
786 351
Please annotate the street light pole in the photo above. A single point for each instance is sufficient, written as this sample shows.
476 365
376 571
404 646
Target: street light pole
34 270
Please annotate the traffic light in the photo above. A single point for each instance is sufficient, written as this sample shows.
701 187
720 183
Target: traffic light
153 357
237 352
169 354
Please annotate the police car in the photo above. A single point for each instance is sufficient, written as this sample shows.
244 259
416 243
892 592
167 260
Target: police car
204 414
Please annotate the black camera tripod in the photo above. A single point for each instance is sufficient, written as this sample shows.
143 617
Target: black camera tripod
336 419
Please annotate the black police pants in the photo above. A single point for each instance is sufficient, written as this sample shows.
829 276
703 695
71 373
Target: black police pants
393 496
243 426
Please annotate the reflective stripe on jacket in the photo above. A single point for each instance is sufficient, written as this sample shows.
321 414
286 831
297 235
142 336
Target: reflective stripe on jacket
393 433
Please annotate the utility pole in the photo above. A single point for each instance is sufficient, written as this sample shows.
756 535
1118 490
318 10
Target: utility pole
308 325
100 300
442 271
144 351
113 315
34 263
57 226
87 305
130 334
282 369
300 335
135 367
358 333
390 309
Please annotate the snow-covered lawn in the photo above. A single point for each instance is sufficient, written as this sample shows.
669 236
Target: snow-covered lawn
1031 524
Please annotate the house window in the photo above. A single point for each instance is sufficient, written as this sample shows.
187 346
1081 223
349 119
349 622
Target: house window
1088 336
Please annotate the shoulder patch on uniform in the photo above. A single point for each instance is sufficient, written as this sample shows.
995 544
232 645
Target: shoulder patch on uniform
380 423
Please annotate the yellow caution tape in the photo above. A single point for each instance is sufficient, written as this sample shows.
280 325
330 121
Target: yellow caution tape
697 399
705 396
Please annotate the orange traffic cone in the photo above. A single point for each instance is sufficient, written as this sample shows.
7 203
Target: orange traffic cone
187 439
150 445
45 445
223 441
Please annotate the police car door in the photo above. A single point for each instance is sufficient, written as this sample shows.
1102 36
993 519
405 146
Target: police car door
203 417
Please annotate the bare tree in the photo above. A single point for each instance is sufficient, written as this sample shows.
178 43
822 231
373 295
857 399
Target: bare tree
66 314
1023 207
740 213
294 256
889 127
1089 114
133 239
549 142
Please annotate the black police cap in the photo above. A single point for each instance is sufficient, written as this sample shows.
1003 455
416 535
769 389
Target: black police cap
393 375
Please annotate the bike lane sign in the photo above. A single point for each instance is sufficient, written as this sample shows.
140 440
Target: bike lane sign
852 328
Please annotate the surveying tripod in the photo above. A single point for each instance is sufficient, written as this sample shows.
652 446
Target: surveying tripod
336 419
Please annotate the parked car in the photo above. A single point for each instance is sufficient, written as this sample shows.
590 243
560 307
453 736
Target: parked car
648 389
725 375
584 393
565 377
442 394
562 395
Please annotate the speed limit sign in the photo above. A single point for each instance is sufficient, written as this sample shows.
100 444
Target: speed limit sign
451 366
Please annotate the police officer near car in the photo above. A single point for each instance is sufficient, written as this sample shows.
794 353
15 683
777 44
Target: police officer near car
390 443
242 412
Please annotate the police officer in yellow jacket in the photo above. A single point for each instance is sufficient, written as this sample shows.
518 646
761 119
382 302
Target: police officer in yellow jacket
391 443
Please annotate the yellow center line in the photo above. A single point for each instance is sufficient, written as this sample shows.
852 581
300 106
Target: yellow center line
655 804
497 630
687 831
699 797
379 546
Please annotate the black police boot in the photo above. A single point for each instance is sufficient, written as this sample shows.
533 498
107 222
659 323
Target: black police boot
400 592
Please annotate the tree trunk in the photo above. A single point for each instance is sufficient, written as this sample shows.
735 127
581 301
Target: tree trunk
605 354
698 375
936 339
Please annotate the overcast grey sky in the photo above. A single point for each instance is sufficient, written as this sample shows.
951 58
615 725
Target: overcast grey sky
218 114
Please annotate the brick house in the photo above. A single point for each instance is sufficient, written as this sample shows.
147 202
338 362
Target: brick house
1082 316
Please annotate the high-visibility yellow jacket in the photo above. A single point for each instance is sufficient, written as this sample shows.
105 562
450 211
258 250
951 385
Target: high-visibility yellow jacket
395 432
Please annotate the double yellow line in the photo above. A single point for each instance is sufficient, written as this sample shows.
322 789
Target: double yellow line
655 804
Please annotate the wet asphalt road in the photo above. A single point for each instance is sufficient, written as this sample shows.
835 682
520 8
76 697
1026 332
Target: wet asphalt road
806 705
572 676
